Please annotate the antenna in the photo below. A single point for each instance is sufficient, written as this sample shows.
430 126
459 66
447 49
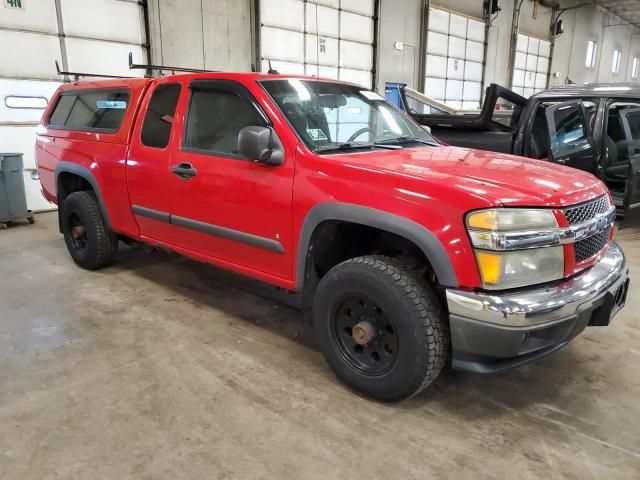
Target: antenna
317 49
271 70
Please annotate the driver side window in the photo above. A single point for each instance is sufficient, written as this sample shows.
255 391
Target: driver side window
214 120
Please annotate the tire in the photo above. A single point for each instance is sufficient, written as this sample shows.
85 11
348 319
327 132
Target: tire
98 246
410 345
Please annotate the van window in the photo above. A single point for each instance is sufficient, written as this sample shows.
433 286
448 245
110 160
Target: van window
90 110
215 119
156 128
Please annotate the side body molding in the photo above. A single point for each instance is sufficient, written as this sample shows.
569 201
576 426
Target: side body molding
74 168
423 238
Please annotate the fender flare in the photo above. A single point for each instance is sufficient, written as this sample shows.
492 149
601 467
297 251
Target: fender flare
79 170
423 238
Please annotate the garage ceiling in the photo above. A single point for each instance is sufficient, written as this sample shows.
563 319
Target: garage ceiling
628 10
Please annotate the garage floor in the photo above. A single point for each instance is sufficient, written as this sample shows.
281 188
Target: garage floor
160 367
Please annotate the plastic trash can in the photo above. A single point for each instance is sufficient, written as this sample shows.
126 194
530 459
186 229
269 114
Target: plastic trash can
13 200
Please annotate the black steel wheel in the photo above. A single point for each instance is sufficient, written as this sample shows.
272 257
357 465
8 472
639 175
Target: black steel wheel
365 335
90 242
381 327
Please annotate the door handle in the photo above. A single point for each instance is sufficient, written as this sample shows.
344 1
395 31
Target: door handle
563 160
184 170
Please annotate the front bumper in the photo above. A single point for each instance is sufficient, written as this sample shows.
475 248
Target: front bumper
493 331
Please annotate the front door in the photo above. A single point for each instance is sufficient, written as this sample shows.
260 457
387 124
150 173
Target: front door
570 140
224 206
630 117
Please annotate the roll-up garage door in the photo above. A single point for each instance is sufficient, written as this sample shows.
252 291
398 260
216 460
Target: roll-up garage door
332 38
531 65
82 36
455 55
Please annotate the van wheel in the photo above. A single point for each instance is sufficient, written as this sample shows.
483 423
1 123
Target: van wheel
90 242
380 327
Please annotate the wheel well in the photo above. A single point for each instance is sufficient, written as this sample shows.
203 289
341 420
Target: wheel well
334 241
67 184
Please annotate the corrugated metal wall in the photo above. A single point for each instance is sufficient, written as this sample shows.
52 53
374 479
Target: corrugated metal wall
332 38
86 36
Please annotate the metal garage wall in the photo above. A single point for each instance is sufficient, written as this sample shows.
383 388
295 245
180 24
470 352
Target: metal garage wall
531 65
209 34
455 56
87 36
332 38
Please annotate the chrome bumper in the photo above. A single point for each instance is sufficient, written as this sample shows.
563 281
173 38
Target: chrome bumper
526 308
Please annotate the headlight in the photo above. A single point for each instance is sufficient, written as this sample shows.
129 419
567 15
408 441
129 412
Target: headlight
506 246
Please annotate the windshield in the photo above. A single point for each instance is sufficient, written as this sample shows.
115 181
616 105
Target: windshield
335 116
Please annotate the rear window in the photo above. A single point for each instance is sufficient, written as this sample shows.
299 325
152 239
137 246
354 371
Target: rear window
101 111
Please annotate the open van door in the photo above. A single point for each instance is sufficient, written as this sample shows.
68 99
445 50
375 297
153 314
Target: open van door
570 138
631 124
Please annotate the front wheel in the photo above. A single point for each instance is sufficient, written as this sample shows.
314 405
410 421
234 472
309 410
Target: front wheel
90 242
380 327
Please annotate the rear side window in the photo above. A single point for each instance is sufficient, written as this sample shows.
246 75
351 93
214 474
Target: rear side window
90 110
156 128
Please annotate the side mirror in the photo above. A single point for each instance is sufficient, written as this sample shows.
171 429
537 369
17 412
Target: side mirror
426 128
260 145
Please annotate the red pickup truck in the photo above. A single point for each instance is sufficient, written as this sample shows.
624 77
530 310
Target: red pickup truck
408 255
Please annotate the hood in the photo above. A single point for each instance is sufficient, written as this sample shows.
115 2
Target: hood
500 178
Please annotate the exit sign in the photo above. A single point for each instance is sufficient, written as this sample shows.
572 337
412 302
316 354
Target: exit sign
14 3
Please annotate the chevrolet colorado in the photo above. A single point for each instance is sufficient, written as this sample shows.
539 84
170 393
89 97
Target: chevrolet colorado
408 255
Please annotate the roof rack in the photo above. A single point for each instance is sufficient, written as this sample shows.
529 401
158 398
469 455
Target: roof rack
77 75
149 68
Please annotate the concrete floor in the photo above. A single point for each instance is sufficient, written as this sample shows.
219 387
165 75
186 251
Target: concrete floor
163 368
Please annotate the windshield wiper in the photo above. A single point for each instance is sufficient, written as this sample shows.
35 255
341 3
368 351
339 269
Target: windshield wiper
356 145
407 139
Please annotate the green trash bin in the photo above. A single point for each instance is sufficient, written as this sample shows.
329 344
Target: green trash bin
13 199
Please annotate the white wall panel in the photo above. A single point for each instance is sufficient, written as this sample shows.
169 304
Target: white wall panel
359 77
321 71
282 45
28 55
343 49
356 27
531 65
328 24
363 7
437 43
436 66
103 19
455 54
104 57
14 138
40 19
328 56
23 88
356 55
283 13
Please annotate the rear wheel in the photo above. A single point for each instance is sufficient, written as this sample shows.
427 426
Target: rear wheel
90 242
380 327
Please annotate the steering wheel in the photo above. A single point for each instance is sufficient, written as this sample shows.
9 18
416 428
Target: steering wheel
360 132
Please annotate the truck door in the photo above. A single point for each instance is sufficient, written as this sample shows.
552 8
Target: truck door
631 126
148 160
224 206
569 135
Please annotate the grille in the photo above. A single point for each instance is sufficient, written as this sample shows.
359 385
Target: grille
587 211
588 247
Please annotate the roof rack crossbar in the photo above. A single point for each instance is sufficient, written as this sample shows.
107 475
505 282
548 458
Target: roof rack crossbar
77 75
148 68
